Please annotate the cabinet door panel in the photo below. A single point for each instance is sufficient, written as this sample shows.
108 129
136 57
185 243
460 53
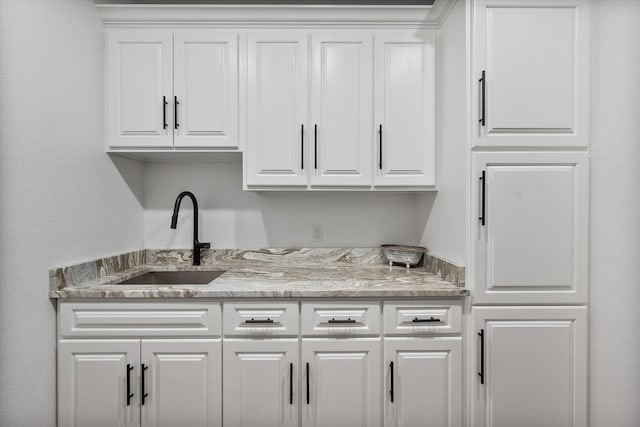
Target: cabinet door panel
258 382
405 108
534 366
344 382
341 108
139 75
206 86
92 383
533 246
183 382
535 58
277 105
427 382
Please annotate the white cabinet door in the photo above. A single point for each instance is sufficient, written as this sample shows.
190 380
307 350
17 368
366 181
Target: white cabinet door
277 109
405 109
533 55
92 383
342 382
530 241
261 383
205 88
342 64
534 366
182 382
139 88
423 382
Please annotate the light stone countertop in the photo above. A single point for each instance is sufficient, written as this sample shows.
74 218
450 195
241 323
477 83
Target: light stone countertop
360 276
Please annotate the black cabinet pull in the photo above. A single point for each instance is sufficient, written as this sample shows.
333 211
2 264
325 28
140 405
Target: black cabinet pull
349 320
481 218
307 383
315 146
290 383
430 319
391 389
380 148
481 373
142 392
175 112
252 320
301 146
482 82
129 394
164 112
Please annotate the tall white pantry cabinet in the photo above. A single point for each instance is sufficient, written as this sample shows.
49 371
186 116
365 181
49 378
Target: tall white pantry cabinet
529 187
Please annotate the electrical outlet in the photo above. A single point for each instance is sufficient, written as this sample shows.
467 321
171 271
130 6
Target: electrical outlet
316 233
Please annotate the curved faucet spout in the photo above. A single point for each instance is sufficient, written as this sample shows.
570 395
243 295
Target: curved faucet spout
174 222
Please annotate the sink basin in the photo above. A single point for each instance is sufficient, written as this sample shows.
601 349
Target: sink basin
174 278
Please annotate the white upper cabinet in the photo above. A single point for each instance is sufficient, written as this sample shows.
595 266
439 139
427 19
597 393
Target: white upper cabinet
530 239
362 132
206 88
140 92
342 77
405 109
276 109
170 89
531 73
529 366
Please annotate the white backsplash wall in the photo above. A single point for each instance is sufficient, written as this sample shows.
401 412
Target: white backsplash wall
232 218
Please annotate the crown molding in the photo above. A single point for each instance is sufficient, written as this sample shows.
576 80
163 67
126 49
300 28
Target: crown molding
119 15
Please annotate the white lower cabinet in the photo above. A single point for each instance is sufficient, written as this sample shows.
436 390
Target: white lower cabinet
93 379
182 383
133 382
423 382
531 365
342 386
278 363
261 383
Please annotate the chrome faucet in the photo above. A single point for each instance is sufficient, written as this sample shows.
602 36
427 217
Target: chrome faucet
174 221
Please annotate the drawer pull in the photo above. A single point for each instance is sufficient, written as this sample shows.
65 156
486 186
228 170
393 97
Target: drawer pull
391 390
349 320
483 83
481 373
176 125
164 112
252 320
307 383
290 383
429 320
129 394
142 393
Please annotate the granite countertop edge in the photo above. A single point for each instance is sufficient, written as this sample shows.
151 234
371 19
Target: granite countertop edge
249 279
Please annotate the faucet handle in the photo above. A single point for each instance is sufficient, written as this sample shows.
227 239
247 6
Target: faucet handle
205 245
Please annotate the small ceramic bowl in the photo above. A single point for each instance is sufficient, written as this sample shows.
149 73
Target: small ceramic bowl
401 254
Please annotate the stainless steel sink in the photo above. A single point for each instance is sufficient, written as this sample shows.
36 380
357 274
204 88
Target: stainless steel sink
174 278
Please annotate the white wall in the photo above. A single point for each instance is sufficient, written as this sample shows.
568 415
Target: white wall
615 215
442 216
61 199
232 218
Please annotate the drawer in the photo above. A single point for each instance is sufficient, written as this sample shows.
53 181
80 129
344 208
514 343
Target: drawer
97 319
241 319
341 319
410 318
